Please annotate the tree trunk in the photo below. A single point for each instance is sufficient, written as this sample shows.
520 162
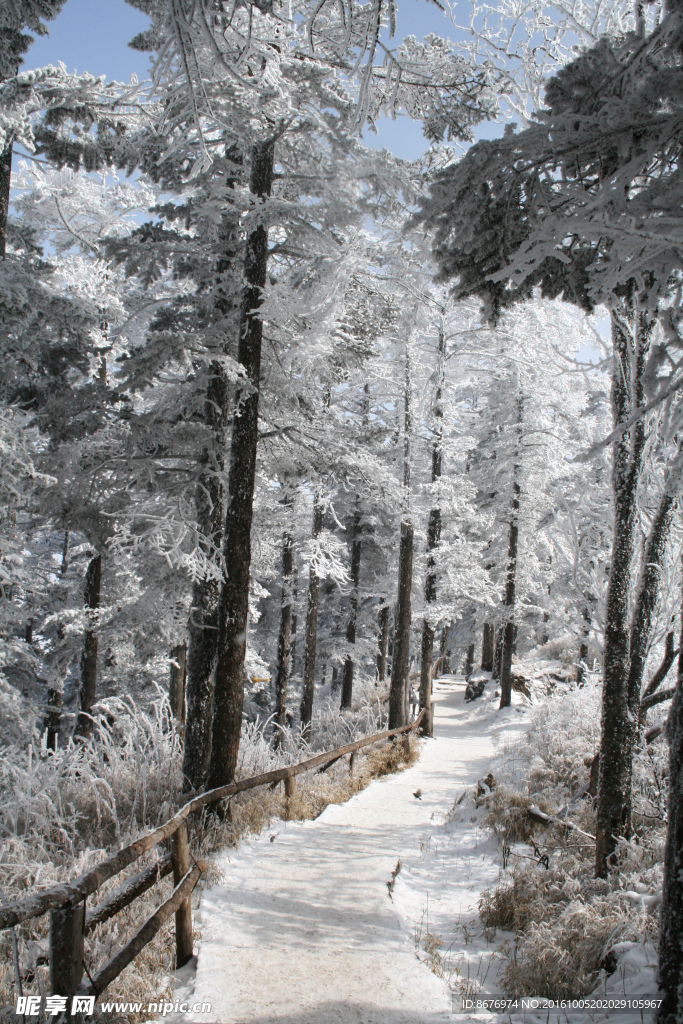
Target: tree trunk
670 975
283 643
347 683
498 653
65 555
641 626
583 649
646 601
383 622
426 662
5 178
487 648
292 638
203 622
444 655
311 638
509 628
401 655
54 718
659 676
630 339
209 503
176 682
88 680
400 662
433 539
469 661
234 598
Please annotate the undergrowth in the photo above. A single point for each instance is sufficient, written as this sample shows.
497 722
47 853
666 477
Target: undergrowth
62 812
564 921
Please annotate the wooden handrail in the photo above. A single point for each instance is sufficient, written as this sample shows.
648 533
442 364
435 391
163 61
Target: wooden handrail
144 934
126 893
69 894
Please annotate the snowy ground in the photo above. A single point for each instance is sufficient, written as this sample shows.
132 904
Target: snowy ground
304 928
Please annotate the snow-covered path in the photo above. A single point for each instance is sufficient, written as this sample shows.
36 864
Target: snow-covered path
302 929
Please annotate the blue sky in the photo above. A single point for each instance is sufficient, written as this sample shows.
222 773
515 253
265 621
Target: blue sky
93 35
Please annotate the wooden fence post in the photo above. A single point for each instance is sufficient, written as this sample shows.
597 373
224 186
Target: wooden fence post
180 854
290 789
66 950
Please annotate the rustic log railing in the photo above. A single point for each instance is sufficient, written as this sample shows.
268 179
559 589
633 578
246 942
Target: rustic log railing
70 922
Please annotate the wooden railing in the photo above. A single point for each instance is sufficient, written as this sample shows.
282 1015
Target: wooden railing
70 922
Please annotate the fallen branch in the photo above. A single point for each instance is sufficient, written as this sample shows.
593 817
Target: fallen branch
539 816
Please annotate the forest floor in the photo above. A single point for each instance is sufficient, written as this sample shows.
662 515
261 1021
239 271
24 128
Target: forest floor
312 924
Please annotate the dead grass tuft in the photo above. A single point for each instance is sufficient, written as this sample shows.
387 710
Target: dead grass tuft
508 816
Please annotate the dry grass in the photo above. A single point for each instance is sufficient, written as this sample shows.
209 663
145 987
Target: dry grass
509 818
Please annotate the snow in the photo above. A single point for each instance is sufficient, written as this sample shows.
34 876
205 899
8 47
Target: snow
306 927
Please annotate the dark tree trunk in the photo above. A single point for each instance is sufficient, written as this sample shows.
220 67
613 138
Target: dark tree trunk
509 629
469 661
292 640
498 653
203 622
65 555
88 680
641 631
5 178
356 543
583 649
283 643
444 655
671 913
400 661
177 681
659 676
631 334
54 718
383 641
641 626
311 638
433 539
648 590
487 648
401 655
234 598
209 503
427 658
